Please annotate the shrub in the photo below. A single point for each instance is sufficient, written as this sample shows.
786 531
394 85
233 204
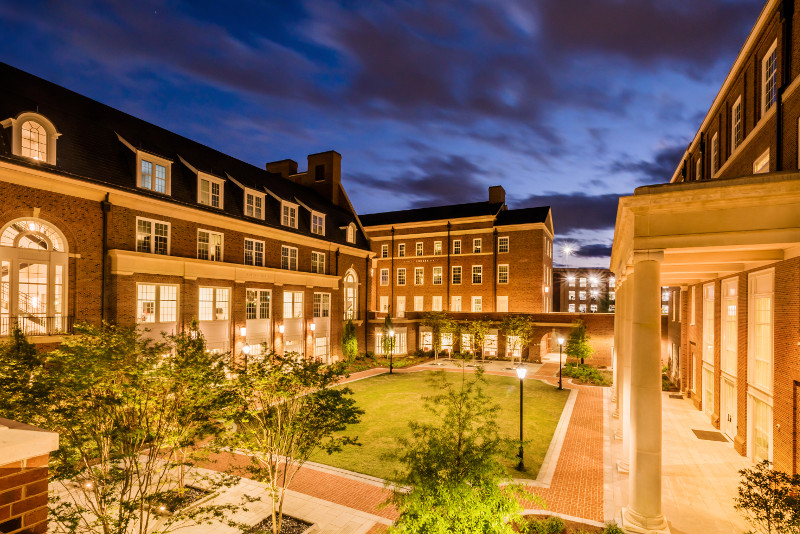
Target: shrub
349 341
768 499
549 525
612 528
585 373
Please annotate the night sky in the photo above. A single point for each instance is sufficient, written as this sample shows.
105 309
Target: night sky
567 103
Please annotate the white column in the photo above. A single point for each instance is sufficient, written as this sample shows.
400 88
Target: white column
615 356
643 514
623 465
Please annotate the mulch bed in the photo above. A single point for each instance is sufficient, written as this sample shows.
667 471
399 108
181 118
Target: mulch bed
289 525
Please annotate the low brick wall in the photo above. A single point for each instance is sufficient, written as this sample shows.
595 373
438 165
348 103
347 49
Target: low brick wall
23 477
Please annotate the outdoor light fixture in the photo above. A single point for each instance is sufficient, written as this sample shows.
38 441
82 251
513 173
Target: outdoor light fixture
560 347
243 331
280 329
313 326
246 349
521 372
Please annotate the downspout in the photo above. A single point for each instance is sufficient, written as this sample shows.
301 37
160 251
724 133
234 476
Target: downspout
448 274
366 304
106 207
391 275
785 11
702 157
494 270
337 262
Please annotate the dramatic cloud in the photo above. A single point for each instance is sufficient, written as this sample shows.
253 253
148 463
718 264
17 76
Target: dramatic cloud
577 211
593 250
657 170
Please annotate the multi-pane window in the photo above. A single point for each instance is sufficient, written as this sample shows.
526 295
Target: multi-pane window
582 295
419 276
476 246
455 304
737 131
436 303
437 276
384 251
457 246
419 249
318 262
156 303
289 258
152 236
760 339
384 277
384 304
593 308
401 250
34 141
292 304
714 155
582 282
708 324
214 303
698 171
258 303
582 308
477 304
209 245
253 252
317 223
419 303
210 192
769 77
254 205
571 308
401 276
571 281
502 274
322 304
437 248
289 215
351 233
477 274
571 295
455 274
153 176
502 244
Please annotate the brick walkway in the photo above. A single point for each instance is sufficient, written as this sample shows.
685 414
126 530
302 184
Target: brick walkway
576 488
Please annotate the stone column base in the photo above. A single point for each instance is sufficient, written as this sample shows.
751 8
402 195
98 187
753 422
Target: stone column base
623 467
633 522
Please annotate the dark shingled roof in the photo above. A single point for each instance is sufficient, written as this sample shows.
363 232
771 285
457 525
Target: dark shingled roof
89 149
454 211
523 216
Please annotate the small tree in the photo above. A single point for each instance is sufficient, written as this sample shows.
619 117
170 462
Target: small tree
440 323
768 499
20 385
578 345
478 330
131 415
349 341
387 337
518 329
452 465
287 410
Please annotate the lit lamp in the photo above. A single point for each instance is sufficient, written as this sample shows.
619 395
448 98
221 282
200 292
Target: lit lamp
560 347
245 351
391 349
521 372
243 331
313 326
280 329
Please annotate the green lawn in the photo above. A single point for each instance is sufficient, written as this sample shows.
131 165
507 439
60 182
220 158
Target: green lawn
391 401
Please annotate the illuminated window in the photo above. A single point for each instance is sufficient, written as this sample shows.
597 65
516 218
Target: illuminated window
292 304
437 248
289 258
761 165
152 236
714 155
154 173
477 274
419 303
571 308
254 204
737 129
34 141
384 251
401 276
502 244
253 252
351 233
209 190
455 304
209 245
214 303
769 78
156 303
571 295
318 262
419 249
477 304
257 305
289 214
419 276
476 246
401 250
322 304
317 223
437 276
351 295
384 277
436 303
502 274
457 246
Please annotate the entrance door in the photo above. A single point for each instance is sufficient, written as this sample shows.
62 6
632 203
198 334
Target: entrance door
728 418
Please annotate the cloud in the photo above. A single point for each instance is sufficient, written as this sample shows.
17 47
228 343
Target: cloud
659 169
431 180
593 250
577 211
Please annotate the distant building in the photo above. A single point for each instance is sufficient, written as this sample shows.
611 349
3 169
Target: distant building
586 290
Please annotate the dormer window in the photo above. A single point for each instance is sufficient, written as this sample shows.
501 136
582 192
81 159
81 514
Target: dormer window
210 190
289 214
153 173
253 204
33 137
317 223
351 233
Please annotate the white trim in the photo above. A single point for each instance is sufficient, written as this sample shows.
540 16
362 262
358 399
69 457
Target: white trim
419 249
154 160
221 244
397 276
420 270
263 252
479 242
320 262
286 204
350 237
734 144
16 135
762 161
764 60
752 279
203 176
289 258
255 194
508 273
319 215
460 274
472 271
153 235
714 155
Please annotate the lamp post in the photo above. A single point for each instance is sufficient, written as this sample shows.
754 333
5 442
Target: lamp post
560 347
521 372
391 349
245 351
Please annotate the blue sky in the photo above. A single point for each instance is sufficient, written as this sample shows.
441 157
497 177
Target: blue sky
564 103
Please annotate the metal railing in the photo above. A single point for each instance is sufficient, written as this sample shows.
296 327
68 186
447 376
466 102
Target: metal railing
36 325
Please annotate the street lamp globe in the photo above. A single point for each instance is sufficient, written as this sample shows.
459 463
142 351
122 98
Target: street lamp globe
521 372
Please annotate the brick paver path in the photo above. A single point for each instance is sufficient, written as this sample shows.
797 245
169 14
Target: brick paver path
576 488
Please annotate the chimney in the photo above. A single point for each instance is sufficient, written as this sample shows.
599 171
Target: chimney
497 194
324 175
284 167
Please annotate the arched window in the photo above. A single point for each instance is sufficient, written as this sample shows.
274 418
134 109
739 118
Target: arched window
33 278
34 141
351 233
350 295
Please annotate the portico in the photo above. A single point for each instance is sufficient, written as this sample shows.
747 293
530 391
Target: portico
694 235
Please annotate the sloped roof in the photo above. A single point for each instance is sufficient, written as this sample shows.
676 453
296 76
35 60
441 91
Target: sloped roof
523 216
435 213
89 148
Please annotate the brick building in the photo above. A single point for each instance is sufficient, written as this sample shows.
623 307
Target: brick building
466 259
726 233
107 217
589 290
